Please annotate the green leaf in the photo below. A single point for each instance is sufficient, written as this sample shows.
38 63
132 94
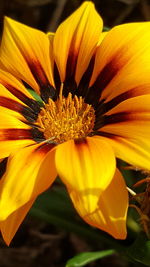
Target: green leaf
139 251
106 29
36 96
84 258
55 207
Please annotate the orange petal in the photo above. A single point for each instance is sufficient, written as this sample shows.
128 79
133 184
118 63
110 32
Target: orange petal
11 82
10 226
129 118
127 127
26 54
13 106
122 61
111 211
75 41
29 172
87 166
14 133
135 151
16 91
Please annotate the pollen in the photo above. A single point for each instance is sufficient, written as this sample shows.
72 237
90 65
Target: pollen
66 118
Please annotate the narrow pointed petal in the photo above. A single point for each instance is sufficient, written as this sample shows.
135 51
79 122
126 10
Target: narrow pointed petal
13 106
25 53
16 91
111 211
35 169
130 117
135 151
127 126
126 118
10 226
83 85
8 121
10 81
122 61
86 166
14 133
101 38
76 40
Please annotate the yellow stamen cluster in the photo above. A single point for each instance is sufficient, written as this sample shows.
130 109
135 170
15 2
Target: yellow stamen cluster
66 118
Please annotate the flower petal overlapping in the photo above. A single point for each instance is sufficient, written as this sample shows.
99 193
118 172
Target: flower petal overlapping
110 71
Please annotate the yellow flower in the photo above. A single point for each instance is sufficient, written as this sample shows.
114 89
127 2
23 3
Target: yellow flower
95 89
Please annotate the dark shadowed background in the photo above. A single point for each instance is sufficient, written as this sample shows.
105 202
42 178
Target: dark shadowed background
47 14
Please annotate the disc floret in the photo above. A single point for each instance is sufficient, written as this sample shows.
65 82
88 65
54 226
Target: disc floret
66 118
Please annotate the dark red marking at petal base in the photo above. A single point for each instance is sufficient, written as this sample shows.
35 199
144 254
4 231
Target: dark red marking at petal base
103 79
70 83
3 165
106 75
44 148
70 86
80 141
83 86
25 99
47 91
18 107
99 110
37 135
137 91
21 134
71 64
112 119
57 80
116 118
15 134
104 134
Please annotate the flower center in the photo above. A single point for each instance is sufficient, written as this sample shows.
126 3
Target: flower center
66 118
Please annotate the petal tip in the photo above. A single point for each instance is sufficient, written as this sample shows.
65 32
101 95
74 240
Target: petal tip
121 235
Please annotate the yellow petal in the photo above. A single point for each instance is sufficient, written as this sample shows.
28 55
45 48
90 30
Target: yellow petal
127 127
111 211
86 165
15 107
29 172
10 226
135 151
129 118
82 88
14 133
101 38
16 91
122 61
14 86
132 105
75 41
25 53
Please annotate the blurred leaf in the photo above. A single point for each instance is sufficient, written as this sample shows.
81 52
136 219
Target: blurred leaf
55 207
139 251
84 258
132 223
55 201
106 29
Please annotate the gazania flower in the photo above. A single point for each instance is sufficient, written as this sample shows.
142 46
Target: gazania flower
95 89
